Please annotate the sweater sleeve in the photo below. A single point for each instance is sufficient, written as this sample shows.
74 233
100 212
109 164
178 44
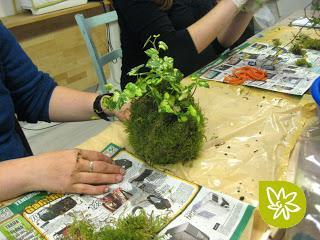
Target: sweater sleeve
144 18
29 88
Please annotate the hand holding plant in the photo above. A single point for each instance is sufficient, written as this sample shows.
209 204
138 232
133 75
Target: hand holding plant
124 113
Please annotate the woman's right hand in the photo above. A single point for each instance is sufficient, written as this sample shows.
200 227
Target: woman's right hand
74 171
254 5
239 3
250 5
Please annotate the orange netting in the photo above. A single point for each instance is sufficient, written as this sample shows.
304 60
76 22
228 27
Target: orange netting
242 74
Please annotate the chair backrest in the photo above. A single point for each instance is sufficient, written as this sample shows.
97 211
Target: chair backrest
85 24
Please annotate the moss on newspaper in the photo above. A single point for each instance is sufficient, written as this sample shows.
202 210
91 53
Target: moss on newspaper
166 124
131 227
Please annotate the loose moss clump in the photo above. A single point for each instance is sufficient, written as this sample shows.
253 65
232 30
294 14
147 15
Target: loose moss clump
302 62
276 42
159 137
300 43
308 42
296 49
131 227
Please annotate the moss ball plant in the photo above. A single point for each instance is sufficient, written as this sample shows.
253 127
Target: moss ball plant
159 138
166 124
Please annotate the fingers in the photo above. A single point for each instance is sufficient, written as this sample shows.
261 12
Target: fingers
90 189
124 113
99 167
103 167
97 178
127 112
94 156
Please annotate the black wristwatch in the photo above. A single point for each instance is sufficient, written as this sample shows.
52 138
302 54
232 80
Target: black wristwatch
97 108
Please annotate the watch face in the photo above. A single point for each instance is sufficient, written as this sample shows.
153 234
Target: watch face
97 108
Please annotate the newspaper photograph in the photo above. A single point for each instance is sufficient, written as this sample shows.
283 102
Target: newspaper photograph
282 73
43 215
211 216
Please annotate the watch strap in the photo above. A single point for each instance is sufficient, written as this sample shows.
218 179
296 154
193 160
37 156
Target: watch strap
97 108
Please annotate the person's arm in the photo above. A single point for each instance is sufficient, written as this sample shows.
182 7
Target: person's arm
144 18
72 105
29 88
68 171
209 27
191 47
35 94
233 32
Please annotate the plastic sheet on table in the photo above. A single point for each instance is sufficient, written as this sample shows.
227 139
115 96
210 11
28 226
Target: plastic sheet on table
250 134
308 177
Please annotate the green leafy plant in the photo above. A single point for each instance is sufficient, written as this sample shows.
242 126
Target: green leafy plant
162 83
166 124
315 20
131 227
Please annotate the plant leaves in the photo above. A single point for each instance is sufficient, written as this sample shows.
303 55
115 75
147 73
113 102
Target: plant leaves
162 82
152 52
163 46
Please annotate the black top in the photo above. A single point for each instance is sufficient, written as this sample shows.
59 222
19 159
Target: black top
138 19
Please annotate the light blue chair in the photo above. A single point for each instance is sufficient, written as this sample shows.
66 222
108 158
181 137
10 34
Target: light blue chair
85 24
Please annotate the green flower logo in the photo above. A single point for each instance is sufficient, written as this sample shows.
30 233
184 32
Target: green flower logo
282 204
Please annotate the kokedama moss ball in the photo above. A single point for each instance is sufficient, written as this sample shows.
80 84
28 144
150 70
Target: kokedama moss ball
159 138
166 125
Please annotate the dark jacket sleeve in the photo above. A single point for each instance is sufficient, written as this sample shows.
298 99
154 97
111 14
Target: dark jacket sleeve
29 88
144 18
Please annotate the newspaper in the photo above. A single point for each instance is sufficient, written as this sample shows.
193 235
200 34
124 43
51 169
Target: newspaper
42 215
283 75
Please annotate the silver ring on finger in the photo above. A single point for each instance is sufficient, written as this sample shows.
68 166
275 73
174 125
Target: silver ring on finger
91 166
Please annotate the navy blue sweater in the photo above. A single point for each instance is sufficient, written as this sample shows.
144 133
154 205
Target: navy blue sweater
24 91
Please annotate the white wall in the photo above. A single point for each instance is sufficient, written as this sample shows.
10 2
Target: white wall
286 7
280 9
6 8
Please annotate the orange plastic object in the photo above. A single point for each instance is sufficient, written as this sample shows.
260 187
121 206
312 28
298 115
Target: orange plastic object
242 74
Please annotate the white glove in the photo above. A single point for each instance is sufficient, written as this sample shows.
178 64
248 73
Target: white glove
253 5
239 3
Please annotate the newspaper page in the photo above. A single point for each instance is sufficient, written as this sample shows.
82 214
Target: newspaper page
48 216
211 216
283 75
